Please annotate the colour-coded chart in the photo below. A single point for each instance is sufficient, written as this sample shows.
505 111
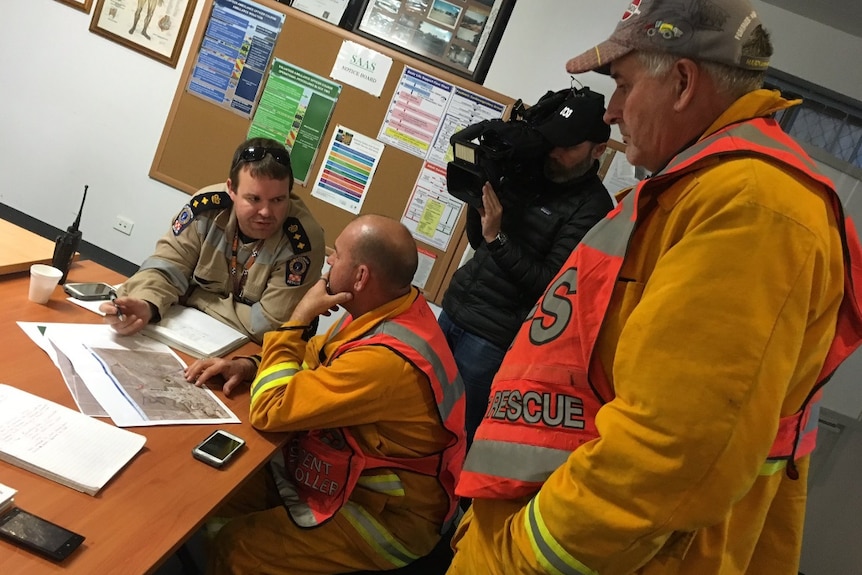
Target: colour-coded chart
348 167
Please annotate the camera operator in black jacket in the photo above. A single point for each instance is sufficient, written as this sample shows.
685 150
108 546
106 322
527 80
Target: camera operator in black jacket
520 245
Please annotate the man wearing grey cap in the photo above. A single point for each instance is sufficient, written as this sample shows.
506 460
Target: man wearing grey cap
522 241
656 412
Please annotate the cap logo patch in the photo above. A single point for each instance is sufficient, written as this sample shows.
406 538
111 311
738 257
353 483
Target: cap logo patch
664 30
566 112
633 10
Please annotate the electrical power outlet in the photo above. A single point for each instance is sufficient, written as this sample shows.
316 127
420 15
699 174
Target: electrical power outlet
124 225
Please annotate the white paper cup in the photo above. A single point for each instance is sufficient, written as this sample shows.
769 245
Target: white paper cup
43 280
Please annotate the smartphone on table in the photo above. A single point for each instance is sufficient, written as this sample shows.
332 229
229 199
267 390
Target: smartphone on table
37 534
89 291
218 448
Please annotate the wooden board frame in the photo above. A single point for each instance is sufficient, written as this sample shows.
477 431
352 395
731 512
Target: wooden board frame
199 137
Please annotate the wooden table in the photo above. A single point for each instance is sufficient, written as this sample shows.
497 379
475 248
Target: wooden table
19 249
152 505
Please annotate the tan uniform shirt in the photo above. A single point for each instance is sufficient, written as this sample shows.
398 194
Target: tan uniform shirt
192 265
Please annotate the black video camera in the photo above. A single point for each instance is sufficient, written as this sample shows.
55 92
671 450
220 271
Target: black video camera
508 153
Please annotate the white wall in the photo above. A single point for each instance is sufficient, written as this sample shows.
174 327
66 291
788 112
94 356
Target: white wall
78 109
543 34
813 51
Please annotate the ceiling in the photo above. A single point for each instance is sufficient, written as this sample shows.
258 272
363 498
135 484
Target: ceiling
844 15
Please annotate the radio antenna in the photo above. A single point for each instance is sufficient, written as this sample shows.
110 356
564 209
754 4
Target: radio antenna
74 227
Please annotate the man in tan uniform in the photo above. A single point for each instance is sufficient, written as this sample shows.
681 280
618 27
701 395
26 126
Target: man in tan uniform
244 252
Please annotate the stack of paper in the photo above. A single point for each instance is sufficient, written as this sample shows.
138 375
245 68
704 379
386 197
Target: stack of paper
61 444
134 379
196 333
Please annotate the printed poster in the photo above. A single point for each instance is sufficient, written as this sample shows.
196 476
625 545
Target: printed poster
426 262
347 170
329 10
425 111
154 25
415 111
236 49
465 109
361 67
295 109
432 213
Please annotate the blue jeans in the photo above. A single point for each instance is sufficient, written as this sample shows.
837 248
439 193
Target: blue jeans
478 361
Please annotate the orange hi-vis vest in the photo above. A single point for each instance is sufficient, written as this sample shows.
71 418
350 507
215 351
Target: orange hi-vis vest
318 470
547 392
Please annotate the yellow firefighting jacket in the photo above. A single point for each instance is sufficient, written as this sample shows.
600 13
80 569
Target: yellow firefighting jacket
389 408
718 326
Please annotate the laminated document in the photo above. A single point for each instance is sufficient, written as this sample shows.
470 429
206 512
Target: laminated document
62 444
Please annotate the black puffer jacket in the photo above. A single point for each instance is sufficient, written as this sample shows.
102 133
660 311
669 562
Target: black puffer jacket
492 293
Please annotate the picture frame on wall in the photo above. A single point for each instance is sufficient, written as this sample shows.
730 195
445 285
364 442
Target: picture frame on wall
82 5
155 28
460 36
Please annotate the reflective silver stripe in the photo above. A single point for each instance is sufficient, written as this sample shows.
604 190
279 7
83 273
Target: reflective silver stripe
514 460
259 323
281 373
392 484
744 131
302 515
377 536
545 551
611 235
212 234
337 328
813 419
175 276
300 512
452 390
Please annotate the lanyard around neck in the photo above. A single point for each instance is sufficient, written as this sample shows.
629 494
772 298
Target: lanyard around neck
239 279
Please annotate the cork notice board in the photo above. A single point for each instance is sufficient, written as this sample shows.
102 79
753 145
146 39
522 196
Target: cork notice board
199 137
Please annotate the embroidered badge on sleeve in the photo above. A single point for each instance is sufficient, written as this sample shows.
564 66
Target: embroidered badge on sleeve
297 269
182 221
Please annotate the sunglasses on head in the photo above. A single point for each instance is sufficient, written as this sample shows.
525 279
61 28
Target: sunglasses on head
257 153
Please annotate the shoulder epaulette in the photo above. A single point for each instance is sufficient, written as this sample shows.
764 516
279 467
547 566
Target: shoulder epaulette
296 235
298 266
199 204
210 201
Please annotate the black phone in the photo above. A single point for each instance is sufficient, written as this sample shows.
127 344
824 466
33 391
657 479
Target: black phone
39 535
89 291
218 448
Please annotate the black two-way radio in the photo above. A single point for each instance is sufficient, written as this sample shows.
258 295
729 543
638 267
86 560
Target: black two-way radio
66 244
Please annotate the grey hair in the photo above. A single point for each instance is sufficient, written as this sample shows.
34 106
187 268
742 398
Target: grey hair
734 82
730 80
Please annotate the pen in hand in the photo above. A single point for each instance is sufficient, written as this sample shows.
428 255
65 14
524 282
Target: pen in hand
120 315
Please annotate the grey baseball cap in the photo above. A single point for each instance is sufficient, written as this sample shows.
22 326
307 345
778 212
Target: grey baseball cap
710 30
